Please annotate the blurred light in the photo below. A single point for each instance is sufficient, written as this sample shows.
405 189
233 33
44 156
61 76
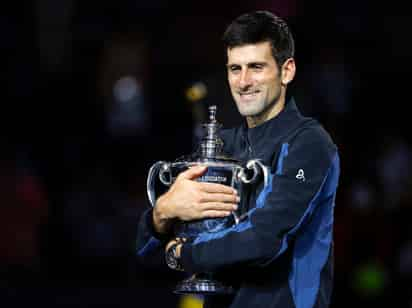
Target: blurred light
127 115
394 168
369 280
196 92
190 301
126 88
362 196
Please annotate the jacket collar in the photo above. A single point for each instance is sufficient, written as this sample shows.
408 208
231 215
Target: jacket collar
274 129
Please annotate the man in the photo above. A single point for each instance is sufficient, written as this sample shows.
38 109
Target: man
281 254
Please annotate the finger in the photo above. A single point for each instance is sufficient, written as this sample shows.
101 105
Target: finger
218 206
193 172
217 188
219 197
215 214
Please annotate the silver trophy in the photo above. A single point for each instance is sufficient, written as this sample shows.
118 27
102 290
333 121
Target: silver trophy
220 169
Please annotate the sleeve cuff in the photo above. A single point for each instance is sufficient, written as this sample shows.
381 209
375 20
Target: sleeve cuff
151 228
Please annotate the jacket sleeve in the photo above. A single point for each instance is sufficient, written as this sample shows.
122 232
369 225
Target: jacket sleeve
302 185
149 244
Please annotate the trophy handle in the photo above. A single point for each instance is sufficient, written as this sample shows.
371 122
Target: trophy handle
160 168
242 176
258 167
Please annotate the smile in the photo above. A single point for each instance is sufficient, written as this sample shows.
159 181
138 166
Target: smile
248 93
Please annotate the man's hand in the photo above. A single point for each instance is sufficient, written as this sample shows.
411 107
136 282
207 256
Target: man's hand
188 200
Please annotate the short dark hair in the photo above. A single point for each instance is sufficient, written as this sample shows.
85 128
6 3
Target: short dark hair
261 26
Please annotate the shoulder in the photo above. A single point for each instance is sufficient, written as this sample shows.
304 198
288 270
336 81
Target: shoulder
313 139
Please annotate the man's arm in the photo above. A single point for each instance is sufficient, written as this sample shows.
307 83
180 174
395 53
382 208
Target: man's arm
301 187
186 200
190 200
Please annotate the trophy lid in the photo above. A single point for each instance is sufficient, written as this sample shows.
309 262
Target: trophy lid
210 147
211 144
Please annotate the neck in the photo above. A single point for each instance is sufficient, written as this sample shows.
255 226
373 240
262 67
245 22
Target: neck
269 113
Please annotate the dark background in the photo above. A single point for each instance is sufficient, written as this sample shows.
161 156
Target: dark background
95 92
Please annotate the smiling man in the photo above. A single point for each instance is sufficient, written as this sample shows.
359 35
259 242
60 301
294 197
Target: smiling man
257 82
281 254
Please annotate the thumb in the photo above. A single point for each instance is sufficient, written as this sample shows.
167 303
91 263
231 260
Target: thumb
193 172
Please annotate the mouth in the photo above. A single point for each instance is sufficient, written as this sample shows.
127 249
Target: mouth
249 94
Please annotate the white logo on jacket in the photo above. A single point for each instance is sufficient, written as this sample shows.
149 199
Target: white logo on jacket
301 175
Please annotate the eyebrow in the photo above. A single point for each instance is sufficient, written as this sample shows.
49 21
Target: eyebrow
250 64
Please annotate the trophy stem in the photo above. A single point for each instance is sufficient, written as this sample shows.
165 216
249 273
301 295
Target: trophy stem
202 283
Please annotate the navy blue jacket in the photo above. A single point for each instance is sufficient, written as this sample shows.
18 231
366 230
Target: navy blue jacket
281 254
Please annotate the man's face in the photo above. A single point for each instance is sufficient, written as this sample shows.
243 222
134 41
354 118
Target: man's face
254 78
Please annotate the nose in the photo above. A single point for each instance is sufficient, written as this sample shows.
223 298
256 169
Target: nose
245 79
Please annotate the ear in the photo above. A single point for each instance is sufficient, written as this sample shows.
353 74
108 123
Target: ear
288 71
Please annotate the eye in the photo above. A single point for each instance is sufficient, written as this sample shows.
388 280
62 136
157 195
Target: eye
234 69
257 66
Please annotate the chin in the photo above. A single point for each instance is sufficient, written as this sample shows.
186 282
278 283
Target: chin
249 112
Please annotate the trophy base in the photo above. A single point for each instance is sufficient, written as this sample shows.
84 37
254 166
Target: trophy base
203 284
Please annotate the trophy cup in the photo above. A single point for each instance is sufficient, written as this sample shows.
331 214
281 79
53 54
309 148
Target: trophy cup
220 169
